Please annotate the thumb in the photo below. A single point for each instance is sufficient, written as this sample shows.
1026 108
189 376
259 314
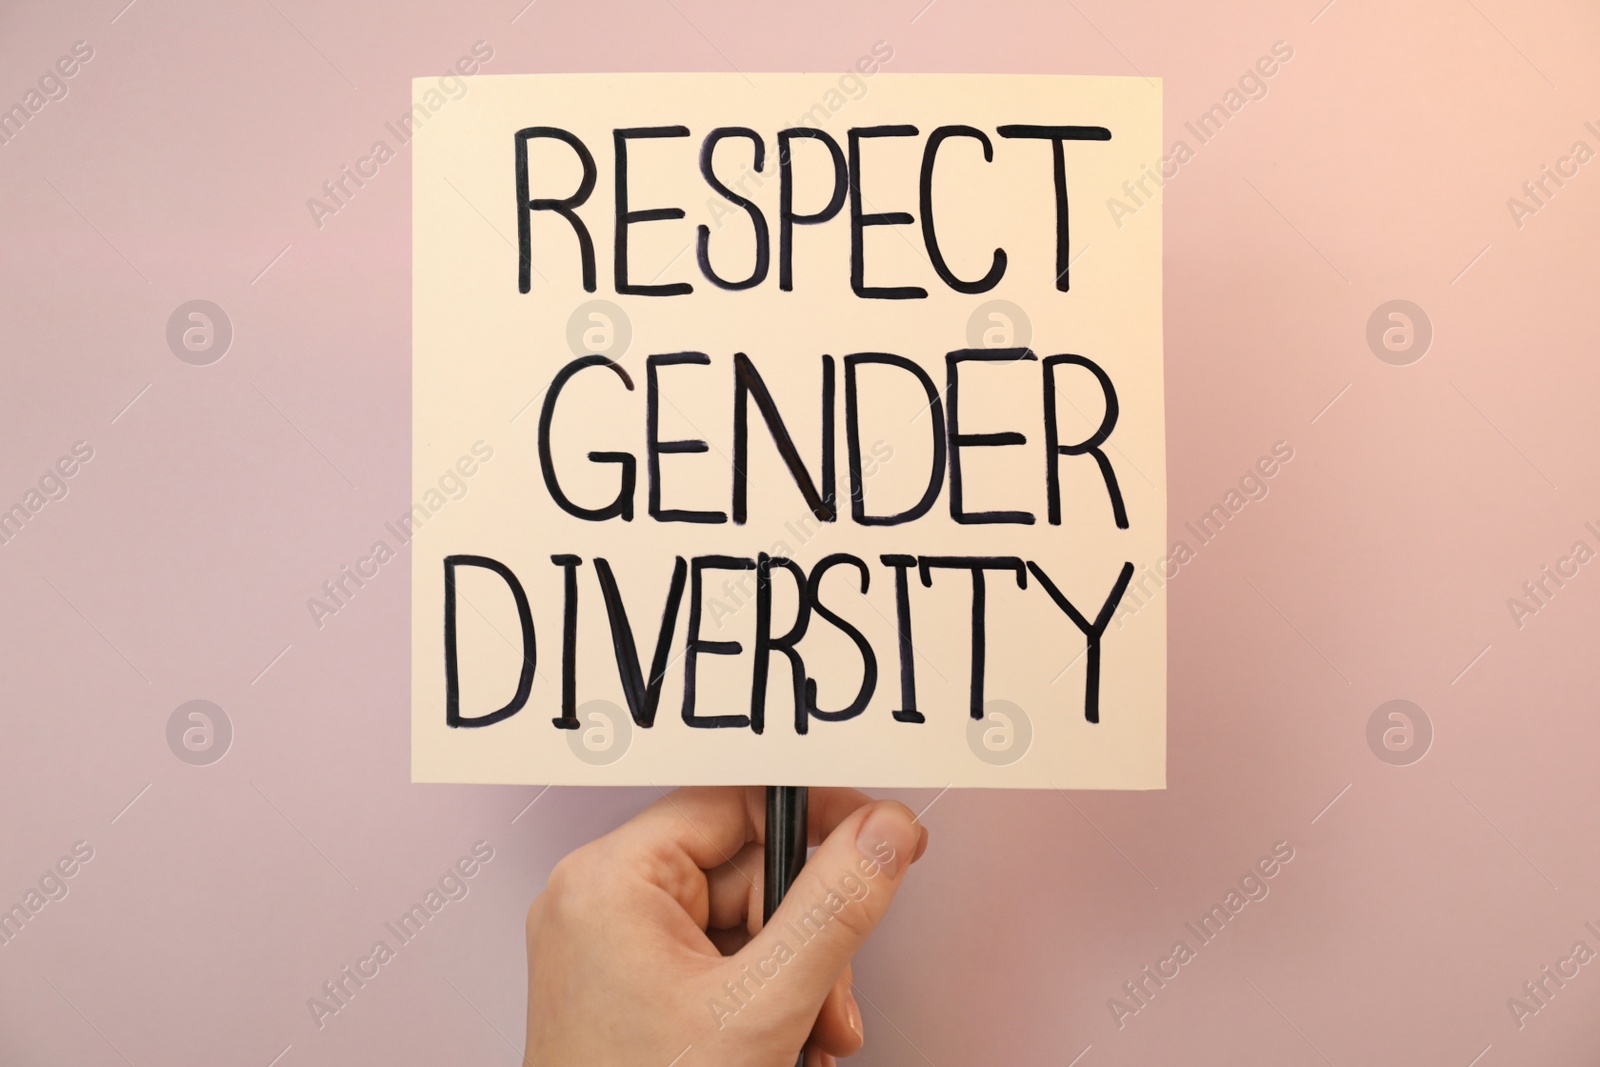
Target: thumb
836 902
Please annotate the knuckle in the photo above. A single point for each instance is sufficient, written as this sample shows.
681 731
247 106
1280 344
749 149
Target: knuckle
569 875
856 918
569 886
824 908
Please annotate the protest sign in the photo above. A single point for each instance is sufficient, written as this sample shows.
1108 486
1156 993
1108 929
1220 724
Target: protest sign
787 428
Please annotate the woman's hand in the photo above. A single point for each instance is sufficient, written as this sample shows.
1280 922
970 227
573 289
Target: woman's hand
647 948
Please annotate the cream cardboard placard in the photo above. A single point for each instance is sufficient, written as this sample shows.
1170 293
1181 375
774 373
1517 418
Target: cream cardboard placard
788 429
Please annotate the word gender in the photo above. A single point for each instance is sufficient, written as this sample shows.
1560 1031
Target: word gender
949 441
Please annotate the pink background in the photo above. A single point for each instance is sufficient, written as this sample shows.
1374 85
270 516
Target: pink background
1377 167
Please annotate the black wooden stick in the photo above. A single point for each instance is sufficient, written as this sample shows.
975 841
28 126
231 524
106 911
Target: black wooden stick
786 848
786 842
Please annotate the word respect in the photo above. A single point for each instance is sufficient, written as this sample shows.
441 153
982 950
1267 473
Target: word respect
844 167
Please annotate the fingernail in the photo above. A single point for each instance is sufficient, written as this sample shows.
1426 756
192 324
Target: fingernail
852 1015
888 836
